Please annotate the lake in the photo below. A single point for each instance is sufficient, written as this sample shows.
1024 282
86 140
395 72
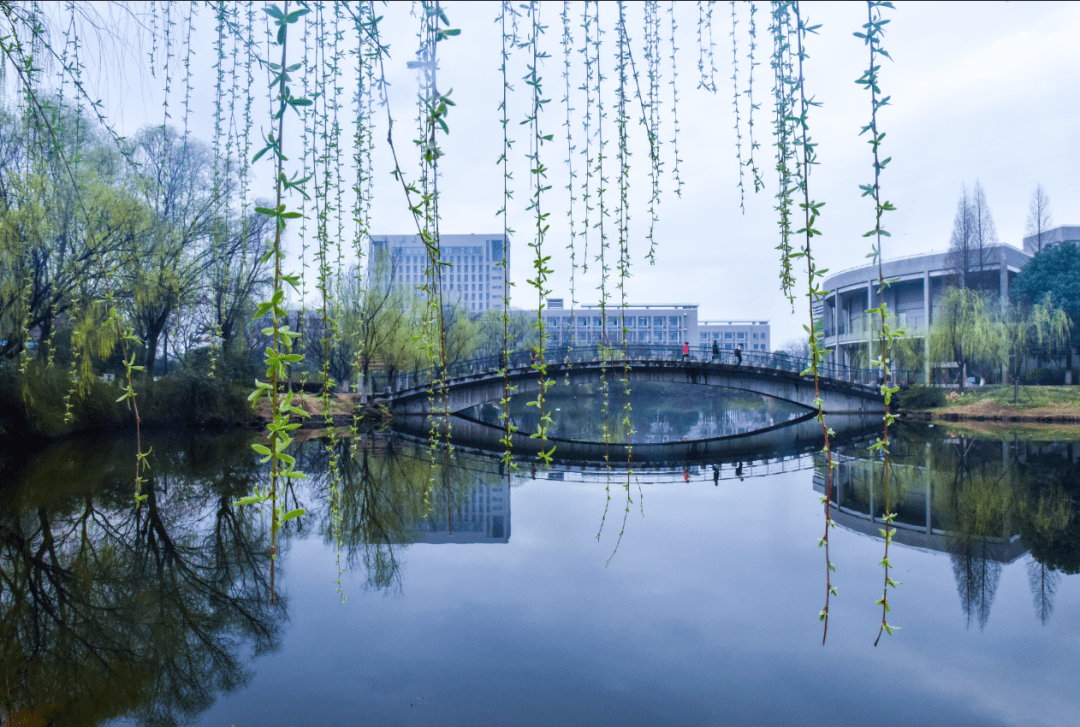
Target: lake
463 593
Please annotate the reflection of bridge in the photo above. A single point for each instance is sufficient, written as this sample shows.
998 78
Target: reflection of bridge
842 389
801 436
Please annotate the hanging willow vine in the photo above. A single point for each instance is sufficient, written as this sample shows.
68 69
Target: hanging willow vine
874 31
100 324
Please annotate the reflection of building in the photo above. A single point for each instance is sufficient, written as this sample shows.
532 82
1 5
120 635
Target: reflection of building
858 505
912 298
472 277
483 516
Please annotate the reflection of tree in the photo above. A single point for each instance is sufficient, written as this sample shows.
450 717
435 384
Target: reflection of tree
982 493
387 491
109 612
1043 581
976 578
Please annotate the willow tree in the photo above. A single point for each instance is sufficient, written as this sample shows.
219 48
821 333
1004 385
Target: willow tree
1026 329
965 331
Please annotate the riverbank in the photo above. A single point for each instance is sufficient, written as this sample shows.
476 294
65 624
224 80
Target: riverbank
1058 405
41 405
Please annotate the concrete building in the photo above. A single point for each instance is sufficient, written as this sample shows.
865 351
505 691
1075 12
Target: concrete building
670 325
752 335
920 281
472 278
1051 237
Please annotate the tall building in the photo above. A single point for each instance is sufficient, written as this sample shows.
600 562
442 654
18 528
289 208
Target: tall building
471 278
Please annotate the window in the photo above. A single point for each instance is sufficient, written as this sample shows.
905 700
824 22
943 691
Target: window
582 322
658 322
727 337
716 336
612 321
597 322
673 336
673 321
630 321
742 336
704 336
643 322
727 346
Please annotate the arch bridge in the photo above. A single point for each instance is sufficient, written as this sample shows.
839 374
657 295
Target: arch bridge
842 389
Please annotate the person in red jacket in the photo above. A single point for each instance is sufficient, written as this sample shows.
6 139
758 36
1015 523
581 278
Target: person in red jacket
686 351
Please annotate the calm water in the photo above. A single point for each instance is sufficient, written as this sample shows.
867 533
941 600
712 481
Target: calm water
470 600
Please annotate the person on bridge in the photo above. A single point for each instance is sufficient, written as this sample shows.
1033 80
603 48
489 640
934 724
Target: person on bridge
715 470
686 351
686 474
502 359
738 355
715 351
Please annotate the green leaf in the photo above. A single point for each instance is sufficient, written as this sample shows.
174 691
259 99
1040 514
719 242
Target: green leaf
293 514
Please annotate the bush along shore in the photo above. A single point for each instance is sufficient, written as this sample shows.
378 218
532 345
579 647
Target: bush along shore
994 403
39 403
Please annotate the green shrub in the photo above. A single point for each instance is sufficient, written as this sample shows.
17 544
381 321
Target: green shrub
919 397
33 404
1044 377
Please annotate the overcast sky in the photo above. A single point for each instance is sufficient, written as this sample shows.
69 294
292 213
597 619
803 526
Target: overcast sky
983 92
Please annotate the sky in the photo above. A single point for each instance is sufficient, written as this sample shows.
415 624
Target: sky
983 93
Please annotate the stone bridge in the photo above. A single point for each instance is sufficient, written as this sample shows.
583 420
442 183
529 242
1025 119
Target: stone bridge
842 390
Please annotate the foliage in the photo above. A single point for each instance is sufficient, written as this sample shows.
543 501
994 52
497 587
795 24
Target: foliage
965 331
1054 271
920 397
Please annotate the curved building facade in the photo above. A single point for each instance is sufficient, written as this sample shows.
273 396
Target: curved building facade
920 281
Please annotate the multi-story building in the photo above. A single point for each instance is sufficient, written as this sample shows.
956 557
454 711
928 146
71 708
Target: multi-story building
751 335
918 282
472 278
670 325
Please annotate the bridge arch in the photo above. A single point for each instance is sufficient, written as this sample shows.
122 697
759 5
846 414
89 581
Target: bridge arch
479 386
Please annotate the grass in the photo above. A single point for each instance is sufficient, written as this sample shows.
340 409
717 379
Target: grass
1047 403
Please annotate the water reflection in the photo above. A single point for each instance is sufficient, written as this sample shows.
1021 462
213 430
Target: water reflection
110 612
659 412
984 501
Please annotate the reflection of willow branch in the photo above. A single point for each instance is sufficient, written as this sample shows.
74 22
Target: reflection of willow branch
1043 582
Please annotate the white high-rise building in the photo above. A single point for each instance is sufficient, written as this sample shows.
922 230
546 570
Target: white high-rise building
472 278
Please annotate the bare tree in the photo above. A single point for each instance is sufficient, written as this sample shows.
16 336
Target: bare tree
973 230
983 225
1039 220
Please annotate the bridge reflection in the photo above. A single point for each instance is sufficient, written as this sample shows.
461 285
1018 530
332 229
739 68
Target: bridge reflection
800 436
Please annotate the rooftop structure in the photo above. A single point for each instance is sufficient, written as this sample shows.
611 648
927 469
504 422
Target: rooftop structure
1051 237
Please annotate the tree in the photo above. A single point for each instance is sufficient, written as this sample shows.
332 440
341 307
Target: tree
964 331
1054 271
973 232
1026 328
1039 220
58 242
175 181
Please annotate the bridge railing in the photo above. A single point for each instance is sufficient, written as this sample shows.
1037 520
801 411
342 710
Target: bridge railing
637 354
